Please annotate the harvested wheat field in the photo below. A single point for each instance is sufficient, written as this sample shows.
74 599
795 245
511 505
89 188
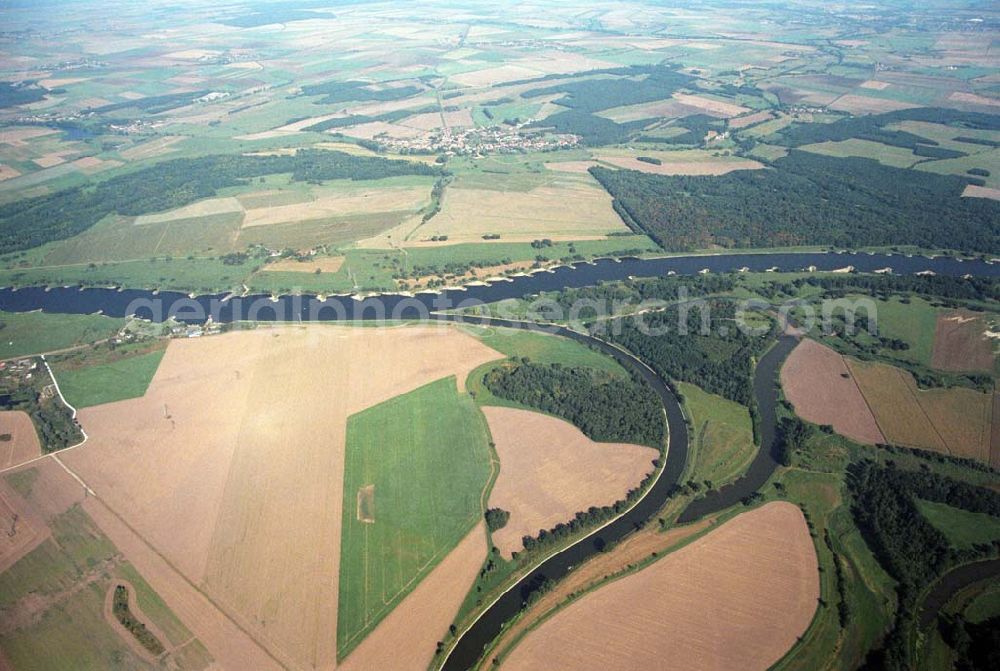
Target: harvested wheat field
976 191
751 119
368 201
18 438
855 104
567 210
201 208
961 344
952 421
24 528
736 598
210 443
711 107
549 470
817 381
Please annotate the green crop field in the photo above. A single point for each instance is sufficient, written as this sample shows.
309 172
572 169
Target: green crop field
85 385
426 457
37 332
722 441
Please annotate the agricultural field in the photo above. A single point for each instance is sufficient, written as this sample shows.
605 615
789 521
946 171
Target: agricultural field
169 453
321 496
57 573
762 561
549 471
408 507
952 421
97 376
723 441
818 383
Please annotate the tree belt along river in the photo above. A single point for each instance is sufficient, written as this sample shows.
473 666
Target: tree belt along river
473 641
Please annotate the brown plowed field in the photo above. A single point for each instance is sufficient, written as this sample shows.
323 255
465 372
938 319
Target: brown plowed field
960 343
549 470
952 421
818 383
23 443
737 598
231 466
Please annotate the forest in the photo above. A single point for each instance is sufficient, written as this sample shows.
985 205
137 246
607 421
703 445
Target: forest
872 127
909 548
719 358
21 93
807 199
607 408
170 184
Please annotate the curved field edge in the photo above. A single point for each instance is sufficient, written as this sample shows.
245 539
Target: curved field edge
775 533
425 498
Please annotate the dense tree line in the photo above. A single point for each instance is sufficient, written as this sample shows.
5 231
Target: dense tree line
594 95
128 619
719 358
956 288
496 518
154 104
976 644
872 127
807 199
607 408
792 435
585 97
593 130
354 91
21 93
33 221
354 119
908 547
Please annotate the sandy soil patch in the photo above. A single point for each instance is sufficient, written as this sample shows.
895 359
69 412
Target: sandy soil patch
201 208
563 62
751 119
710 167
874 85
669 108
52 158
575 167
960 343
570 210
7 172
951 421
370 130
341 205
492 76
817 381
22 528
432 120
55 83
710 106
157 147
972 98
549 470
737 598
19 136
432 604
855 104
191 54
209 443
975 191
18 438
324 264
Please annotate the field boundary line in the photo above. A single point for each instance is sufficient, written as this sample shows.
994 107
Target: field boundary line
871 410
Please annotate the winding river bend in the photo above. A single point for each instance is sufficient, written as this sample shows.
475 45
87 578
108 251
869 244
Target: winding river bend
471 643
